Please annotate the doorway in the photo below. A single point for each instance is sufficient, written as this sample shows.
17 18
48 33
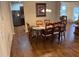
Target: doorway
18 16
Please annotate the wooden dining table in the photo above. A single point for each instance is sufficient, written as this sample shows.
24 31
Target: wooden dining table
38 30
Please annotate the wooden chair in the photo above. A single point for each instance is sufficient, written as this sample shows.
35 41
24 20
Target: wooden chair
64 22
48 31
56 30
39 23
63 25
63 28
46 21
63 18
29 31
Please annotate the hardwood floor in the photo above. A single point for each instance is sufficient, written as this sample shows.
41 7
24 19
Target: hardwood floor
22 46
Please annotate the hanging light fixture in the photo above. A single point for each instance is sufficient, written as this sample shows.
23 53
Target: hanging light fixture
47 10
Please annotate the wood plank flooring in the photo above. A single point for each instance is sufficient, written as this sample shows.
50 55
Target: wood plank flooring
23 47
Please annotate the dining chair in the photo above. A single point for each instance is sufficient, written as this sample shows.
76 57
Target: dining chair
64 22
56 31
63 25
63 18
46 21
29 30
39 23
63 28
47 32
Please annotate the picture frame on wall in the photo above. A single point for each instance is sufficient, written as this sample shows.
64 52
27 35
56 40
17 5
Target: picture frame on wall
40 9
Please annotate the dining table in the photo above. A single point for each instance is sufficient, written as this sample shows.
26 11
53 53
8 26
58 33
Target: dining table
37 30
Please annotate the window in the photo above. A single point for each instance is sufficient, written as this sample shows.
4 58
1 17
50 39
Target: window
75 13
63 10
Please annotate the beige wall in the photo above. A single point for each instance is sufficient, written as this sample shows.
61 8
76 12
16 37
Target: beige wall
30 12
70 8
6 30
